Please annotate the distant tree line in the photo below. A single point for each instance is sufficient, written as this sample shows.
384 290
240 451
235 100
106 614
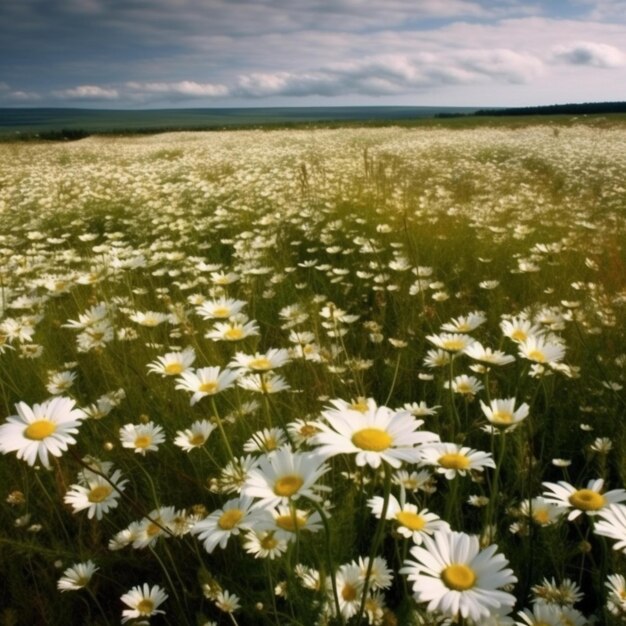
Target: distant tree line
585 108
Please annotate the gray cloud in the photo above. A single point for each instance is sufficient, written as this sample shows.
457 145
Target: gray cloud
589 53
88 92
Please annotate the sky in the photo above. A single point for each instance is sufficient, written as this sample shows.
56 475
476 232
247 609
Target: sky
134 54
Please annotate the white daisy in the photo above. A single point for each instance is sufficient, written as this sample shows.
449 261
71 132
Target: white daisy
502 412
206 381
142 602
77 576
455 577
173 363
98 496
142 437
588 500
195 436
44 429
451 459
612 524
377 435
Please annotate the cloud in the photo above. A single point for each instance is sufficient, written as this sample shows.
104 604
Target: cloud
185 88
88 92
589 53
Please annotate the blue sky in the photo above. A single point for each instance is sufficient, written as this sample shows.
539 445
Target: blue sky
215 53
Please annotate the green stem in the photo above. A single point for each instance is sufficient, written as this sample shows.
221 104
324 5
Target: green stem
220 426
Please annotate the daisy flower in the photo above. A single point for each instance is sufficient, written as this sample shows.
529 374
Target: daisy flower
98 496
420 409
265 440
502 412
465 385
227 602
142 602
451 342
284 476
77 576
613 525
465 324
173 363
264 545
221 308
44 429
206 381
588 500
286 522
540 350
377 435
541 615
451 459
142 437
263 383
616 598
258 362
218 527
478 352
156 524
233 330
195 436
519 329
455 577
410 522
542 512
349 583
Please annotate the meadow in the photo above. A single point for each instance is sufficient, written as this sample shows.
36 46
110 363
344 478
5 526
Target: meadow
336 376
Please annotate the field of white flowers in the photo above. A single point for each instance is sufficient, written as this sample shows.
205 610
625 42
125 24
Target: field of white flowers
296 377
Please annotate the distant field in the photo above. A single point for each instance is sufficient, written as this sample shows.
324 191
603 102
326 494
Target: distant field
91 120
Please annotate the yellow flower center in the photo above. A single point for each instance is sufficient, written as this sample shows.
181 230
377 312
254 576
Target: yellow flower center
587 500
360 405
153 529
260 364
454 460
40 429
537 356
143 441
197 439
541 517
234 333
286 486
501 417
145 607
413 521
453 345
99 493
348 592
269 542
373 439
209 387
229 519
464 388
221 312
171 369
519 335
308 430
290 523
458 577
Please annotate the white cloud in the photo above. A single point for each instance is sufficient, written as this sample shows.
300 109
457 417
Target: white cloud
589 53
88 92
187 88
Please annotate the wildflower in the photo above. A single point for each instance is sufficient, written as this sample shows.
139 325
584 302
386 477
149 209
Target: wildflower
265 440
173 363
98 495
349 589
420 409
77 576
451 342
540 350
284 476
156 524
44 429
588 500
455 577
258 362
415 481
519 329
234 330
451 459
502 412
478 352
218 527
143 602
541 615
141 437
285 522
542 512
612 524
264 544
465 324
195 436
549 592
616 598
263 383
410 522
60 382
206 381
602 445
437 358
465 385
378 435
149 318
222 308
